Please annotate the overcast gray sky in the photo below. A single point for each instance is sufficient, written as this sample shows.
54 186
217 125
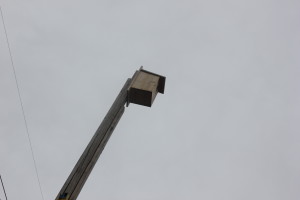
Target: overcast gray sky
227 127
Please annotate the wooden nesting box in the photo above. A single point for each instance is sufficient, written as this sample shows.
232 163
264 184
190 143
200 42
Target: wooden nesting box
144 87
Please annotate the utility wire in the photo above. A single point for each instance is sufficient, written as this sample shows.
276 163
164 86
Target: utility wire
3 187
22 107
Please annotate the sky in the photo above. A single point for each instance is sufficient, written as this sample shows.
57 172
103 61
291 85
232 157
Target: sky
226 128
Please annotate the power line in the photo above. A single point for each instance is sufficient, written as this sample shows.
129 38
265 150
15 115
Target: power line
21 103
3 187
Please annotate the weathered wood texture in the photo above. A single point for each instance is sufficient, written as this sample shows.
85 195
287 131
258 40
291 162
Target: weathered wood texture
88 159
145 81
141 89
161 83
144 87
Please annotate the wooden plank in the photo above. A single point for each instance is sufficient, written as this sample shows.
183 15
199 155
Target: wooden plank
83 167
95 157
145 81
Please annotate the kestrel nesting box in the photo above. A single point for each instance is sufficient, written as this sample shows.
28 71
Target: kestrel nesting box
144 87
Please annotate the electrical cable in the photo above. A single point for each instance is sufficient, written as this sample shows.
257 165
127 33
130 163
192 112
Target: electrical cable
3 187
22 107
